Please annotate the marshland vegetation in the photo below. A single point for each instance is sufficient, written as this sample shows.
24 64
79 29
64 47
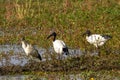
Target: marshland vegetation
34 19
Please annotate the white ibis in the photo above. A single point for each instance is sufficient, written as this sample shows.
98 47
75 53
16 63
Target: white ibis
30 50
58 45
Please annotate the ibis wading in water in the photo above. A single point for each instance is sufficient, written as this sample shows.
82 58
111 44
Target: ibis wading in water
96 39
30 50
58 45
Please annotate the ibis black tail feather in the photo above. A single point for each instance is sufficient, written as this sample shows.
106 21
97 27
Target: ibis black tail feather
107 36
65 50
39 57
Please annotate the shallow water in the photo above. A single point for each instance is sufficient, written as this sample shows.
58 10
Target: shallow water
19 57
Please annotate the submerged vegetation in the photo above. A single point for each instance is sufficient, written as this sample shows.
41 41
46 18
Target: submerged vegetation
34 19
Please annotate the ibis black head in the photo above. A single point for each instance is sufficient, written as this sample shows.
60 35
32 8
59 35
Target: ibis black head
53 34
88 33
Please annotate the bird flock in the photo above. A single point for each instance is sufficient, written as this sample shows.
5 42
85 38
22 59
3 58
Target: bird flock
60 47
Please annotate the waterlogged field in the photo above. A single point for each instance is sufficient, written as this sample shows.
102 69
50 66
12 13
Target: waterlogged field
35 19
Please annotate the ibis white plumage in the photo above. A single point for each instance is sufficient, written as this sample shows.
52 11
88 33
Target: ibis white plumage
30 50
58 45
96 39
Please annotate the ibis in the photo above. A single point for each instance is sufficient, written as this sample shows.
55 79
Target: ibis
30 50
96 39
58 45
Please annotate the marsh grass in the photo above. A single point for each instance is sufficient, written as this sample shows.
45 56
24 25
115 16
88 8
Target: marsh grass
70 19
24 10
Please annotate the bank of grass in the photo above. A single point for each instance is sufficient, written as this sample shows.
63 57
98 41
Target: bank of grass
69 18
